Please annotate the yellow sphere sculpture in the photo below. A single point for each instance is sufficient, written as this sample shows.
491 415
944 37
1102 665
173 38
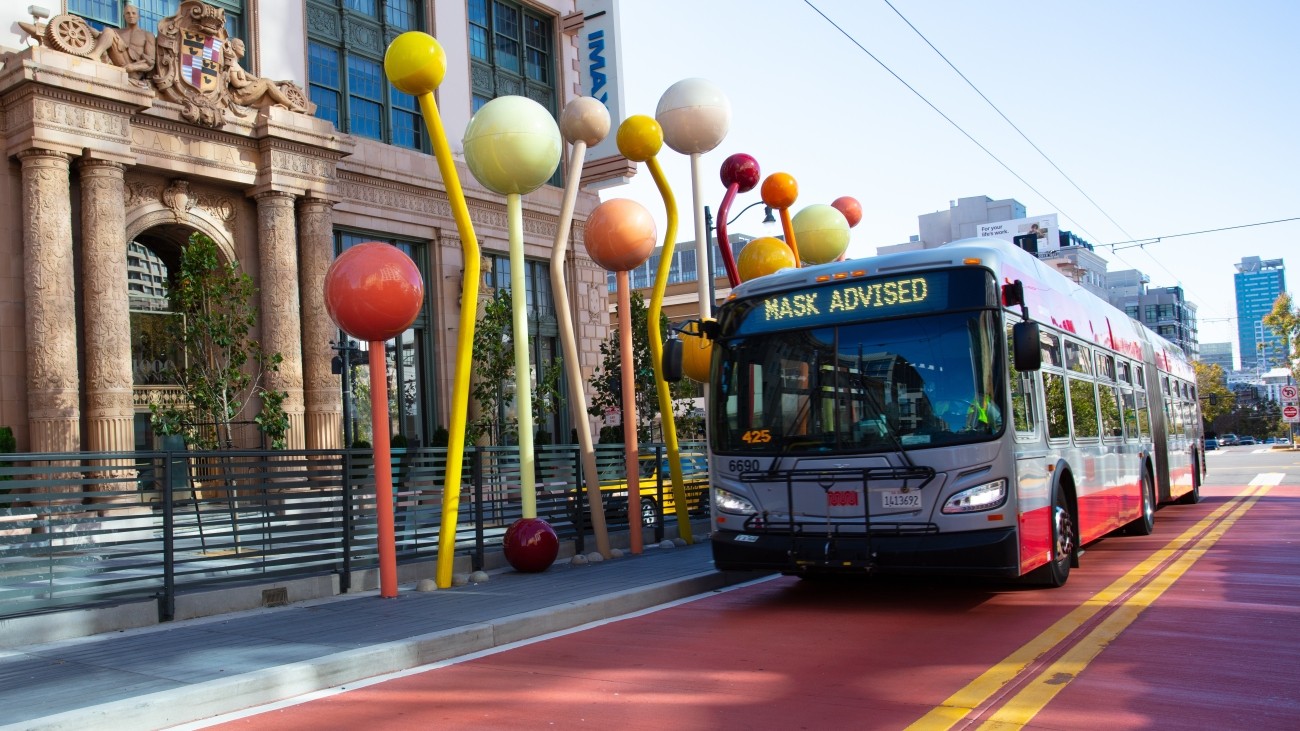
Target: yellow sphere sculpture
640 138
415 63
697 354
763 256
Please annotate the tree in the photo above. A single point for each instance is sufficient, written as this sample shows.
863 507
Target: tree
494 368
1284 321
216 300
1216 398
607 379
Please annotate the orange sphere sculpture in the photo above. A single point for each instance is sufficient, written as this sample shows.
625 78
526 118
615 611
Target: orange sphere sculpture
763 256
373 291
620 235
779 190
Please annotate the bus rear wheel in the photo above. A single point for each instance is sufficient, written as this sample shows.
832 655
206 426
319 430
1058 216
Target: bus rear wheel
1064 542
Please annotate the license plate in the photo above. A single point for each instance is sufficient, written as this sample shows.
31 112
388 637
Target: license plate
899 500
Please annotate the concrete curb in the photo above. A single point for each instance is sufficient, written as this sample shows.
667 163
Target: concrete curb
198 701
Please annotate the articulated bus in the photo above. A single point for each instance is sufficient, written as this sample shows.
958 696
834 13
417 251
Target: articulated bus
960 410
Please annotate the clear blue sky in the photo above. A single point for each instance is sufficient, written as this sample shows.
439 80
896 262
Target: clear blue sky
1173 116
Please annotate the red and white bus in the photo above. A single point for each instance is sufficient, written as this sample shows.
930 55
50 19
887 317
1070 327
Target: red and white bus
963 409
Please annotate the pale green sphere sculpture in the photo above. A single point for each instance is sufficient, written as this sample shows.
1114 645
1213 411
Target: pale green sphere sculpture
512 145
822 232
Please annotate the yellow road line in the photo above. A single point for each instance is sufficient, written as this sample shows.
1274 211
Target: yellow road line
1038 693
960 704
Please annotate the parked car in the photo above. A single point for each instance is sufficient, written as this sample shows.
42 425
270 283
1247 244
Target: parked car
1227 440
1246 441
1211 444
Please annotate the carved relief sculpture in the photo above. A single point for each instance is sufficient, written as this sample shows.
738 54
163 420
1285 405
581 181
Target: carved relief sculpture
192 61
132 48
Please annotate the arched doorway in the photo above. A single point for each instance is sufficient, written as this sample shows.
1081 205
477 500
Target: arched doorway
151 257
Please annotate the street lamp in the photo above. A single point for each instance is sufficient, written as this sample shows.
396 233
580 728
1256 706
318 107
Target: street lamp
706 256
349 352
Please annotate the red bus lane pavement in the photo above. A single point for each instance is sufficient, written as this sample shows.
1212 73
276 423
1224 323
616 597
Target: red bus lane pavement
1195 626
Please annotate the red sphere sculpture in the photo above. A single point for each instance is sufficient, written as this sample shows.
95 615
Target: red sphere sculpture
740 170
373 291
531 545
850 207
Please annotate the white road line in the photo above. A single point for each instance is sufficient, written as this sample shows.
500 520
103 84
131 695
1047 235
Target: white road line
1272 479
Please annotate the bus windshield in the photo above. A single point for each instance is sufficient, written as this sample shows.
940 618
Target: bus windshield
873 386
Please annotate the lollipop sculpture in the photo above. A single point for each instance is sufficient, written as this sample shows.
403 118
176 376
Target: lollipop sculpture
640 139
620 237
512 146
584 122
852 210
740 174
780 191
373 292
823 233
695 116
416 64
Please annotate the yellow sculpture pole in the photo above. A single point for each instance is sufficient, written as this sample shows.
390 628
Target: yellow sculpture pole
584 122
639 139
416 64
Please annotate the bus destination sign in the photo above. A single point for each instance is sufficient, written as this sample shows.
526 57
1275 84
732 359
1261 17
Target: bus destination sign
862 299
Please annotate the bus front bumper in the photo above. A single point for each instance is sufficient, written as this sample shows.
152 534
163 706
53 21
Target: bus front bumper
974 553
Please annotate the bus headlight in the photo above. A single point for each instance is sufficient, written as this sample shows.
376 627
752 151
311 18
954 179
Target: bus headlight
732 503
981 497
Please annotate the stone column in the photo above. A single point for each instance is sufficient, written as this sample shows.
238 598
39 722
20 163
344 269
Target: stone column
105 301
106 331
53 410
281 332
321 387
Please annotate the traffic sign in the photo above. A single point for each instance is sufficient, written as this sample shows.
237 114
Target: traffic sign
1289 393
1291 413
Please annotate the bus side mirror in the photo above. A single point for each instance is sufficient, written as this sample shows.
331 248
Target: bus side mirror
672 364
1026 350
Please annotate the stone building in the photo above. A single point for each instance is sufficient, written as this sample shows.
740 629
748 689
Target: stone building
120 146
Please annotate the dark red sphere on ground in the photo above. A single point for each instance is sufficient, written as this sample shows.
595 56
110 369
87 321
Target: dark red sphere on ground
531 545
373 291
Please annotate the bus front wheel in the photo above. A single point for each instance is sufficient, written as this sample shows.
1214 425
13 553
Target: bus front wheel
1064 541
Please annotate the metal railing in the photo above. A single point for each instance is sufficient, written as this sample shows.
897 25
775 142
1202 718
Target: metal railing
90 528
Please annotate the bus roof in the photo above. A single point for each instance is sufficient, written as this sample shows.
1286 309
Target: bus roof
1051 297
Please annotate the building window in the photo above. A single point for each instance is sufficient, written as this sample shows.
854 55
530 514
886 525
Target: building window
512 51
543 338
108 13
346 41
409 358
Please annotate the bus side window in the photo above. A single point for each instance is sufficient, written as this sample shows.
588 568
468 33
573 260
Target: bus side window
1130 416
1083 391
1112 421
1143 412
1058 419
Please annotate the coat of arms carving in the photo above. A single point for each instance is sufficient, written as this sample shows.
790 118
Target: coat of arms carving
193 62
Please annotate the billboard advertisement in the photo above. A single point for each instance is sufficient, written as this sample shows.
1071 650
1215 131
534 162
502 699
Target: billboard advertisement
1044 230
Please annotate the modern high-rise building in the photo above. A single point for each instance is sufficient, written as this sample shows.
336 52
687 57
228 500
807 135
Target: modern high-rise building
1219 354
1258 283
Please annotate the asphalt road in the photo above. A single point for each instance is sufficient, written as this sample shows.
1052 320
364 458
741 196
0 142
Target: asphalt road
1194 627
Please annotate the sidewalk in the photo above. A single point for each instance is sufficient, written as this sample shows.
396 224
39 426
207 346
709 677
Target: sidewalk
186 671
